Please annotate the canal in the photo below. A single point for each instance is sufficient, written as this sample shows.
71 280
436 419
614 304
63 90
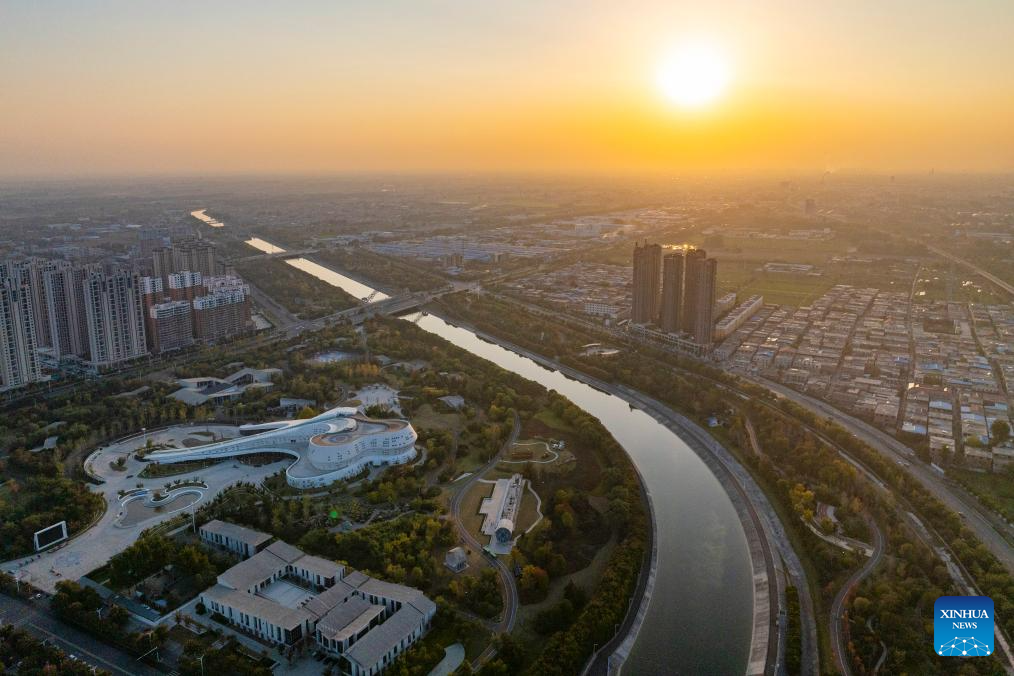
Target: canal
699 615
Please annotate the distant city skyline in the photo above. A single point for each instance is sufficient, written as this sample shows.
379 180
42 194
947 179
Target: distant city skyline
134 88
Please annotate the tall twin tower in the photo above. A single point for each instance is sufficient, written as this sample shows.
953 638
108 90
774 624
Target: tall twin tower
675 291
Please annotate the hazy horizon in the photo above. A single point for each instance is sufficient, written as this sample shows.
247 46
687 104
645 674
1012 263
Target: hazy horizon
319 88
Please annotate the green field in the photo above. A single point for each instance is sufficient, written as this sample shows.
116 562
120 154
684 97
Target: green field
767 250
964 287
995 490
787 289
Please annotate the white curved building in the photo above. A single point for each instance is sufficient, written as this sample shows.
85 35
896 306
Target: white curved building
337 444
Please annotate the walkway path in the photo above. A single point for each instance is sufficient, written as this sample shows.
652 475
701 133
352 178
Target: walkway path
511 601
454 655
838 639
96 545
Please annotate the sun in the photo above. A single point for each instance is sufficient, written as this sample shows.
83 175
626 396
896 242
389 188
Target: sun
694 75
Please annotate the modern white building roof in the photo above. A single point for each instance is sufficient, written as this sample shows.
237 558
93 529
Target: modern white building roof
337 444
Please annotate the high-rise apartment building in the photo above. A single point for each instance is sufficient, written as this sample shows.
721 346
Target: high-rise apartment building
647 281
162 262
114 313
31 273
672 292
64 298
195 255
192 255
185 285
699 285
19 359
170 326
224 313
151 239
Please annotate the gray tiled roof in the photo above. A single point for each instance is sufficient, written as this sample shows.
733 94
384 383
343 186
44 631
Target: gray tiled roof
259 607
321 604
284 551
348 618
257 568
399 593
238 533
382 638
356 578
318 565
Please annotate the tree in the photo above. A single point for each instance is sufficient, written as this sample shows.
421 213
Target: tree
999 431
534 584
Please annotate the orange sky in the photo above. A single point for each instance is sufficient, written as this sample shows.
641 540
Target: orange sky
122 87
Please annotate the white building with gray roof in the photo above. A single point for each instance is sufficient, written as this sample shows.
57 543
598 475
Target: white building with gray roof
285 596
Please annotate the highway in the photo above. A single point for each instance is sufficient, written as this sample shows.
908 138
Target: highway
989 528
510 587
993 279
926 534
35 618
838 642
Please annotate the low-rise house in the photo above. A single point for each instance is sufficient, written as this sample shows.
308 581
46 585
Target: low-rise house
237 539
284 596
456 560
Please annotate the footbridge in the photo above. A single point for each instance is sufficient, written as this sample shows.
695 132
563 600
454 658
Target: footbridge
386 306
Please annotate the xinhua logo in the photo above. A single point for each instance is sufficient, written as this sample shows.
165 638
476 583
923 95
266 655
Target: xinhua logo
963 626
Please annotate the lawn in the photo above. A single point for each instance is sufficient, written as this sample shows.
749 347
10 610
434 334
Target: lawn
527 514
470 516
551 420
425 417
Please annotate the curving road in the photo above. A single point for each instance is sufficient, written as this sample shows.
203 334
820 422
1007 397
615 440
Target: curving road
989 528
924 533
510 587
838 642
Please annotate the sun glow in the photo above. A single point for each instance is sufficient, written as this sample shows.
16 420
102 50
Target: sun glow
694 75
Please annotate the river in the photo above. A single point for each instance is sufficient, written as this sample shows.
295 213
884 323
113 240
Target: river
699 616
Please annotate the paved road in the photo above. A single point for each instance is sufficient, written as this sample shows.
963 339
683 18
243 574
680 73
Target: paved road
34 617
926 534
989 528
838 642
511 600
809 650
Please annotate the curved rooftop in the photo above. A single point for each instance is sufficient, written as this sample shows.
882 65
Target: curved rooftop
337 444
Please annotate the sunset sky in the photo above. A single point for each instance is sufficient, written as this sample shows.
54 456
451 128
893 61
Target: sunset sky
184 87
